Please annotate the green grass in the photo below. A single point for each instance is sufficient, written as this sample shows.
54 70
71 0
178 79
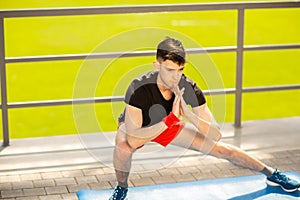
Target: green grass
128 32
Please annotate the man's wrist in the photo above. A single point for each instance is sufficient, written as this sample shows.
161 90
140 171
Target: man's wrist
171 119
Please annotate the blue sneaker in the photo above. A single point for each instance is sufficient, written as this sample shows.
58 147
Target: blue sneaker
119 193
279 179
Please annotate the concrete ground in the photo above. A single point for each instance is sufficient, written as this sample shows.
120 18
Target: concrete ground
56 167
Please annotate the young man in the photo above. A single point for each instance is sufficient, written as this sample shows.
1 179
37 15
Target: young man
155 101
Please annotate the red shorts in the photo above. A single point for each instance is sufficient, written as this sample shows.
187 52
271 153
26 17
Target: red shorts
167 136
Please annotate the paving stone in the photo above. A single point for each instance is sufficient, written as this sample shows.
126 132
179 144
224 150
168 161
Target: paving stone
134 176
44 183
5 186
171 171
106 177
22 185
184 178
30 177
34 192
11 193
75 188
88 172
100 186
242 172
56 190
86 179
65 181
150 167
8 199
69 196
28 198
215 167
149 174
10 179
163 179
50 197
187 170
203 176
108 170
72 173
49 175
222 166
142 182
223 173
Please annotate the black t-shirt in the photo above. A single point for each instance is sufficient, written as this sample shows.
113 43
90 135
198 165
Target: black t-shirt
144 94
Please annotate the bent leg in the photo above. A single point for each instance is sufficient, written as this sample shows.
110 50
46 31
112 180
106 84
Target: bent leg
190 138
122 158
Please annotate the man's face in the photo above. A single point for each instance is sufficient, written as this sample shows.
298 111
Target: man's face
170 73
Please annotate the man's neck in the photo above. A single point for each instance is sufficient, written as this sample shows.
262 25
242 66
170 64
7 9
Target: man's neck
166 92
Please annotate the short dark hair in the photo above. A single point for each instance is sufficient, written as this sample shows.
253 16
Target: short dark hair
171 49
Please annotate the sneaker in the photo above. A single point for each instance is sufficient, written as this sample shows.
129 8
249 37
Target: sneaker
119 193
279 179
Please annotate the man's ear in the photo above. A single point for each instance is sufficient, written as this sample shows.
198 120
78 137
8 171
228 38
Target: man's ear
156 65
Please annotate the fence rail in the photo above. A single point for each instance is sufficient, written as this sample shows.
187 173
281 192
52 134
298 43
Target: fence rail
143 9
239 49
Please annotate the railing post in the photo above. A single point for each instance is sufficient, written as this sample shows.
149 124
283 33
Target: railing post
3 86
239 68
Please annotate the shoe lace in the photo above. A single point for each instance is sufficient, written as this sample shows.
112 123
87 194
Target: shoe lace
116 193
283 177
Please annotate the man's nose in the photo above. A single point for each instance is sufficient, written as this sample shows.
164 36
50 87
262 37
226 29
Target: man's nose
176 75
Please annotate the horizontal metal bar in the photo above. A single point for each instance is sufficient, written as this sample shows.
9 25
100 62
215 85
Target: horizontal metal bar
144 8
121 98
271 47
219 91
144 53
272 88
78 56
65 102
111 55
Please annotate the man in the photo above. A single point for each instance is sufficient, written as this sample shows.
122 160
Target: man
155 101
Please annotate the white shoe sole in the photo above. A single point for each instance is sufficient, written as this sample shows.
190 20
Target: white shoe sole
270 183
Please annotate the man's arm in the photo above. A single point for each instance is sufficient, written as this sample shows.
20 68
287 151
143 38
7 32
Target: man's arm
136 135
205 122
203 119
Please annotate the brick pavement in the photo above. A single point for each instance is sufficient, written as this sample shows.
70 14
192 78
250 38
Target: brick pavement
63 184
33 174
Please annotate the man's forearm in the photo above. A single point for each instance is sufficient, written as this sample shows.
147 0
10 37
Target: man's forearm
146 134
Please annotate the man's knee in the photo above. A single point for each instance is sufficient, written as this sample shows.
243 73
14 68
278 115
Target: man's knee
122 143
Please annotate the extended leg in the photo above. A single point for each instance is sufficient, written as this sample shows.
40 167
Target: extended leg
192 139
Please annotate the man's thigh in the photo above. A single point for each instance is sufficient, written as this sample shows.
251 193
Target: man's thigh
191 138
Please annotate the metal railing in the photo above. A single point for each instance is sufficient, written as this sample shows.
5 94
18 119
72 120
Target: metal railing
239 49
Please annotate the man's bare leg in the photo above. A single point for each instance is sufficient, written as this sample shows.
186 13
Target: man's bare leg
190 138
122 159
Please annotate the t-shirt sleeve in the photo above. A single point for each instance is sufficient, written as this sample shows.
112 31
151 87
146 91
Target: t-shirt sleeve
193 95
200 96
135 96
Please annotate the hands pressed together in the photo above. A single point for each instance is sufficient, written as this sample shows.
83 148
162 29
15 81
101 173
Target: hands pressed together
180 107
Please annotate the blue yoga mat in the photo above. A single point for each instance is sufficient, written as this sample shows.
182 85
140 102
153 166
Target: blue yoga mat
235 188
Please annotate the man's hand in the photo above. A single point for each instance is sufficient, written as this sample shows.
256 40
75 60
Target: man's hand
176 105
179 105
184 110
